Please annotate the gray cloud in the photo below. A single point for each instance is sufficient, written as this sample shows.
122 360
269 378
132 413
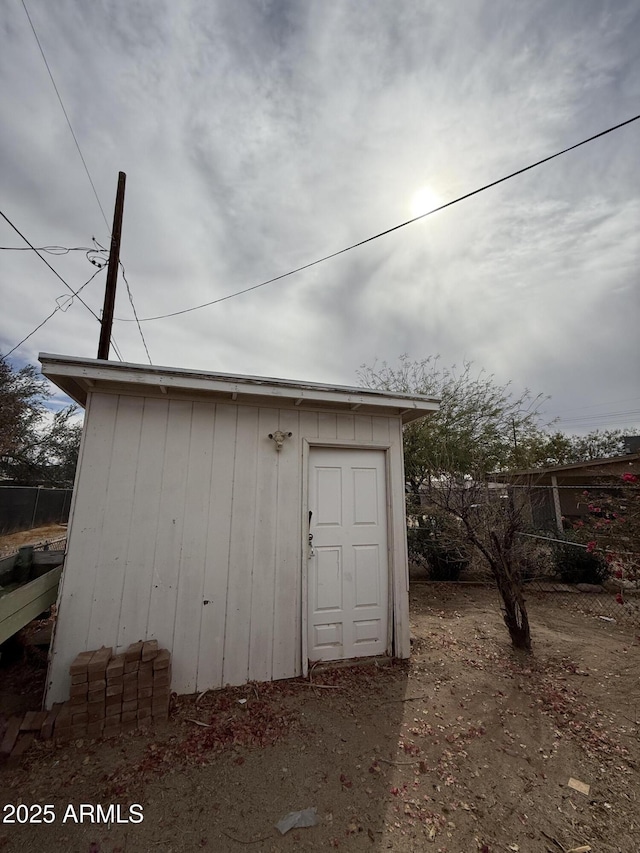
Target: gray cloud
257 136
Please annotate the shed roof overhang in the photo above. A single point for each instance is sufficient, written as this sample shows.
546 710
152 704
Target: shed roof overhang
77 377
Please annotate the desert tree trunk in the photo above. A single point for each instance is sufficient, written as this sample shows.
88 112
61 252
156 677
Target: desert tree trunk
509 582
492 529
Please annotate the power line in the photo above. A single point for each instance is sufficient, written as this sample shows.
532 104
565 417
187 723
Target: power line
75 139
55 310
602 417
135 313
45 261
51 250
84 163
101 249
57 274
388 230
597 405
91 253
628 424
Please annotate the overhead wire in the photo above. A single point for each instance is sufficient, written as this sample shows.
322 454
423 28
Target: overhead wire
91 253
75 139
58 251
606 423
386 231
55 311
84 162
604 416
57 274
598 405
101 249
51 250
135 313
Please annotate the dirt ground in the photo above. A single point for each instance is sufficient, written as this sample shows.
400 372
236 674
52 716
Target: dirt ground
10 542
469 747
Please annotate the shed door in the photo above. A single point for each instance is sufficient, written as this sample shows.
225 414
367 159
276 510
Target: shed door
348 563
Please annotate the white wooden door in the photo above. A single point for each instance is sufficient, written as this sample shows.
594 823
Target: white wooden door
347 562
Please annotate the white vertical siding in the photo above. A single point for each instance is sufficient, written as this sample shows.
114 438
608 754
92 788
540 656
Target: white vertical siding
187 529
76 590
288 547
218 536
345 427
264 550
327 425
380 429
112 554
173 458
400 575
363 428
309 425
236 646
193 553
134 609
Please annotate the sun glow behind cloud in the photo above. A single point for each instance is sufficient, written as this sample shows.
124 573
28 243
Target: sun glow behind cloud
424 201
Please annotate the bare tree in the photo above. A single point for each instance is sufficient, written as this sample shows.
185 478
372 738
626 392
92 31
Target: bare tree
481 427
489 520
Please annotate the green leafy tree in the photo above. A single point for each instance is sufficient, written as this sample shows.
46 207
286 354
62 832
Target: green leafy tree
544 449
599 444
481 427
35 448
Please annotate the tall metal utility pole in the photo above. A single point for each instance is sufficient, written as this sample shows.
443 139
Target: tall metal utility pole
112 272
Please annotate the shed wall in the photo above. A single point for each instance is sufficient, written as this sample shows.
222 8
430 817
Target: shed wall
187 528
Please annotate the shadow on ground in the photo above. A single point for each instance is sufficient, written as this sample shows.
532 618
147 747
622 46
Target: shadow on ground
470 747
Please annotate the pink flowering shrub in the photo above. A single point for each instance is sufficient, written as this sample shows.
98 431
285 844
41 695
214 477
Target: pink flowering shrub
612 528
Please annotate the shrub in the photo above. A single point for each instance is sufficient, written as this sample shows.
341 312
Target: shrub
433 549
577 564
612 526
534 556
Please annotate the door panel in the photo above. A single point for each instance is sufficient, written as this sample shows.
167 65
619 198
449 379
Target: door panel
329 488
328 590
366 631
367 576
348 564
365 496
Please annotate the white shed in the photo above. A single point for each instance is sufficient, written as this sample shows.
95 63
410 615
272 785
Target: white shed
250 525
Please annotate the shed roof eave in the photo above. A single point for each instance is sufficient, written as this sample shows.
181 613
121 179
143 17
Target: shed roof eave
76 376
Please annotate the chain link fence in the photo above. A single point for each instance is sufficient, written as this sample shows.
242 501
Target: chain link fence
611 603
25 507
603 596
59 544
603 605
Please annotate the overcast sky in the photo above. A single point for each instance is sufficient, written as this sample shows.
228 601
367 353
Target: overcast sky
259 136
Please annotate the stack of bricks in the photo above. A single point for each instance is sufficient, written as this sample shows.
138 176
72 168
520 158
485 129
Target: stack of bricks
110 693
107 695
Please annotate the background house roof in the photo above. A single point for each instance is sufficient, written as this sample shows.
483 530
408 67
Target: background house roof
77 376
572 466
